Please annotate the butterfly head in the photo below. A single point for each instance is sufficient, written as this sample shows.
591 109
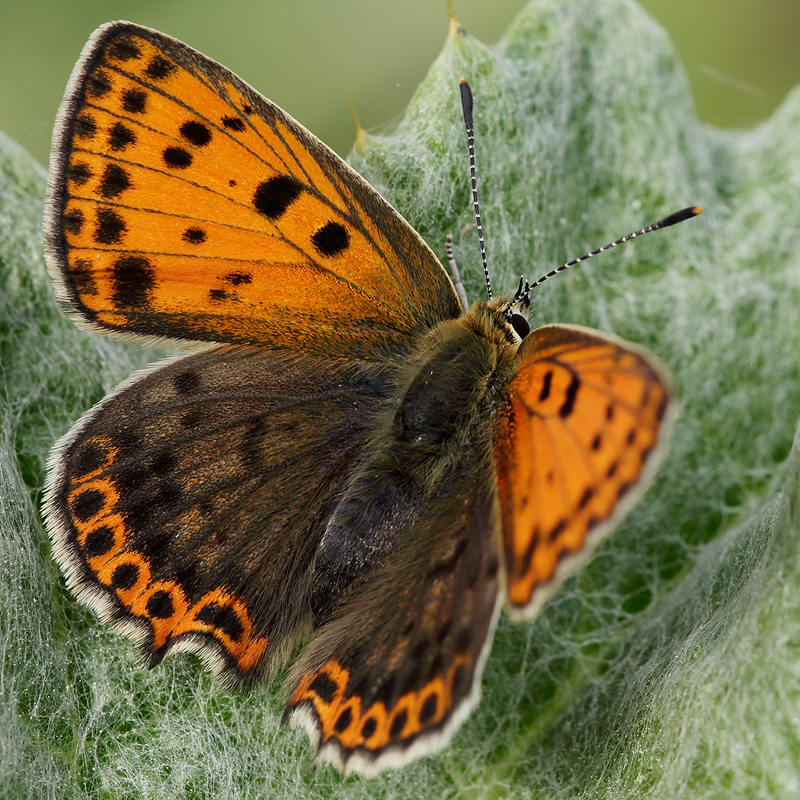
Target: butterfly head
509 315
516 310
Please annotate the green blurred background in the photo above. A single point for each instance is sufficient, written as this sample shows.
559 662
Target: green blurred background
742 56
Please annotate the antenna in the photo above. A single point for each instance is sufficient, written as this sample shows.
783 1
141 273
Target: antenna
672 219
524 286
466 106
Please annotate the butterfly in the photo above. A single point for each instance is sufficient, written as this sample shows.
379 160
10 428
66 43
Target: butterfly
349 463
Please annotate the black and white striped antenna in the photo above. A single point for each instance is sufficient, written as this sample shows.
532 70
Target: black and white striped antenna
524 286
672 219
466 106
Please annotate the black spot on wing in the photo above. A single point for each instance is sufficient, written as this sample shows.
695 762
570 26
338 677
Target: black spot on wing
160 605
120 136
177 157
115 180
398 723
571 394
159 68
86 504
89 458
233 124
85 126
73 220
125 576
134 279
273 196
223 618
323 687
196 133
99 84
98 542
110 227
79 173
123 49
194 235
82 275
331 239
428 710
134 100
343 720
186 383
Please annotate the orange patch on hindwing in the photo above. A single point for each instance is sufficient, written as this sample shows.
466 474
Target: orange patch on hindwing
104 544
344 718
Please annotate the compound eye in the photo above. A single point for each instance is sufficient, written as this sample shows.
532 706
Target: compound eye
520 325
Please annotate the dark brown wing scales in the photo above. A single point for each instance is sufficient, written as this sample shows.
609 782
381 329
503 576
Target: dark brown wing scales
573 441
188 506
398 668
185 205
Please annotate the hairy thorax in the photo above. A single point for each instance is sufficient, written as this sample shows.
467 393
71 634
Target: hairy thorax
437 431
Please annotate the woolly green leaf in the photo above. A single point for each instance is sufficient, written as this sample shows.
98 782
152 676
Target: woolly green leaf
669 666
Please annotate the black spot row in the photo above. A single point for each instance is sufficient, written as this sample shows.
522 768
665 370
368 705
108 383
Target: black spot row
126 49
273 198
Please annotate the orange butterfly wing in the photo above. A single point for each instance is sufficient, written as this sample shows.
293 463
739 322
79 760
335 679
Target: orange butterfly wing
573 441
184 205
